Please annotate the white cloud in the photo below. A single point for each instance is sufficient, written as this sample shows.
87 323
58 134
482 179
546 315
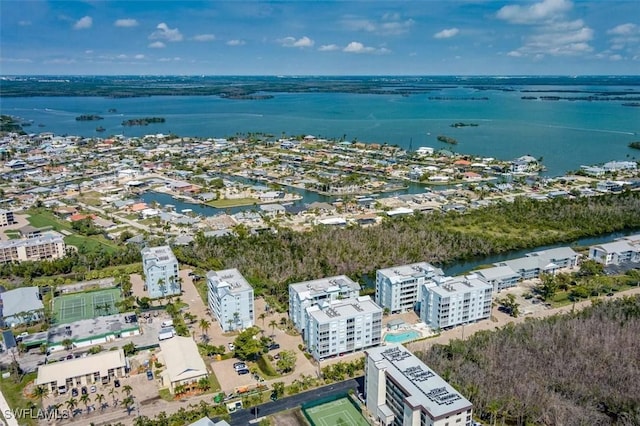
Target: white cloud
389 24
538 12
447 33
122 56
293 42
88 51
18 60
165 33
615 57
24 23
174 59
357 47
139 56
126 23
60 61
624 29
236 42
624 36
328 47
204 37
83 23
157 45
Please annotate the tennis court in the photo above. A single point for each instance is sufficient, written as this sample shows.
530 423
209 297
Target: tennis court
340 412
78 306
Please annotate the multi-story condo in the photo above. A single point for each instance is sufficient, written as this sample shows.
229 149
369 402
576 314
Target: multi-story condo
398 289
342 326
309 293
451 301
160 268
400 390
230 299
500 277
544 261
621 251
46 246
6 218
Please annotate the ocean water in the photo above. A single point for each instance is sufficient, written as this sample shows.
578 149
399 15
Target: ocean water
566 134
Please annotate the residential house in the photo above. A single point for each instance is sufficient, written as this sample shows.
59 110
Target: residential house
185 366
19 306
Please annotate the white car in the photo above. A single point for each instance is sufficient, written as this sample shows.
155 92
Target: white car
232 347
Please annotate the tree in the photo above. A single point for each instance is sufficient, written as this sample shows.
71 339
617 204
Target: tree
273 324
114 394
67 343
262 316
204 384
72 403
548 286
40 392
127 389
287 361
85 399
511 305
129 348
204 326
100 400
590 268
127 403
278 389
246 346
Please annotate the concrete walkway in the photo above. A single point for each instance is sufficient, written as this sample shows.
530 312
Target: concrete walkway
9 420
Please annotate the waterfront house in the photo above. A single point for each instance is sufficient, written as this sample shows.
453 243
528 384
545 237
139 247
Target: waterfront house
500 277
618 252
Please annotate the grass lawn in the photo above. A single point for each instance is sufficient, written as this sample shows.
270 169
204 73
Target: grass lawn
201 286
41 219
12 234
221 204
13 392
90 243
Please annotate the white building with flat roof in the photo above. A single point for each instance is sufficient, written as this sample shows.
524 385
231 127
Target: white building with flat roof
160 268
398 289
451 301
500 277
342 326
309 293
620 251
400 390
230 299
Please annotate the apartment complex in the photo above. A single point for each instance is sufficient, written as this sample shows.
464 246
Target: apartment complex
46 246
618 252
400 390
230 299
309 293
160 268
450 301
543 261
6 218
342 326
398 289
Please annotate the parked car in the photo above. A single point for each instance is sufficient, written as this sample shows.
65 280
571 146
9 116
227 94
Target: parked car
116 383
240 364
74 392
243 371
232 347
93 389
274 346
149 375
84 390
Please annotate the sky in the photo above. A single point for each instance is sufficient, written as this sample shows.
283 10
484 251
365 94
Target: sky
305 37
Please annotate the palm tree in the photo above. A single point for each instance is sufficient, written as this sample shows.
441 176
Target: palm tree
273 324
72 404
67 343
127 403
40 392
127 389
113 392
204 326
100 400
85 399
262 316
236 318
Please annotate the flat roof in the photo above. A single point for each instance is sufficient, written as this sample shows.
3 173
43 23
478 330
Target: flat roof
459 285
413 270
345 308
232 279
62 370
21 299
308 289
44 238
160 254
93 328
424 386
497 272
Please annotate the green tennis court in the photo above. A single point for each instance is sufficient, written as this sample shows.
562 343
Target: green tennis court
340 412
78 306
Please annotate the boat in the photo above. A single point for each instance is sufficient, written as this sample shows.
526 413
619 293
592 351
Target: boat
100 129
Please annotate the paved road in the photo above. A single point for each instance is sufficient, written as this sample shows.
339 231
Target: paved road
243 417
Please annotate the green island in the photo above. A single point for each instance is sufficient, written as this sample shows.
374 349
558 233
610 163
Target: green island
635 145
447 139
457 125
143 121
89 117
11 124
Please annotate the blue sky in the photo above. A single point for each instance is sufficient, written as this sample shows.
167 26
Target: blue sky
459 37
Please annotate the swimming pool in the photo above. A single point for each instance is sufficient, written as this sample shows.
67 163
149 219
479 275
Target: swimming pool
405 336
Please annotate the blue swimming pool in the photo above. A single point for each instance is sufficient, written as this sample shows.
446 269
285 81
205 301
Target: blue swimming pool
405 336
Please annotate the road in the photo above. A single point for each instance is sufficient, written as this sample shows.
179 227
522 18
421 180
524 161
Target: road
133 223
244 417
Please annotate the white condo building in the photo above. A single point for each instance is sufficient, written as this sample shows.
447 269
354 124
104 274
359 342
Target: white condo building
309 293
46 246
342 326
451 301
160 268
400 390
230 299
398 289
618 252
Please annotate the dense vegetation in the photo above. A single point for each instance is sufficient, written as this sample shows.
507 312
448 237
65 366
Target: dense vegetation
447 139
272 261
89 117
143 121
635 145
10 124
573 369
